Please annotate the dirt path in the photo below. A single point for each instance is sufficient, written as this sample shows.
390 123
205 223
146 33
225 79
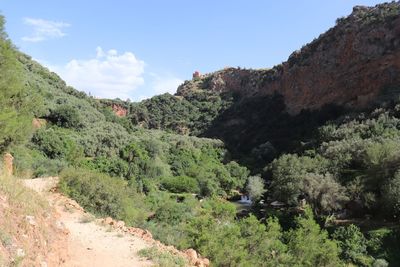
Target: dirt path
89 243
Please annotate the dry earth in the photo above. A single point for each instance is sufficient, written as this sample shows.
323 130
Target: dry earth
89 243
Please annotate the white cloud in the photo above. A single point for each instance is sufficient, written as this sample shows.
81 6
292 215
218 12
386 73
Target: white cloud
44 29
108 75
141 98
167 84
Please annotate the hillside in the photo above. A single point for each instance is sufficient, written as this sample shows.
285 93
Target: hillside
349 65
353 65
314 142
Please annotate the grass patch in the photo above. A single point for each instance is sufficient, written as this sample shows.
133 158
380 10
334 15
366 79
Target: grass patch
20 202
5 238
18 195
162 258
17 262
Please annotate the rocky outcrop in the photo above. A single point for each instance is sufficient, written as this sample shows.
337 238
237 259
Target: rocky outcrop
119 110
350 65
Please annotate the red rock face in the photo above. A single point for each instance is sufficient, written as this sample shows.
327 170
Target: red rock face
119 110
351 64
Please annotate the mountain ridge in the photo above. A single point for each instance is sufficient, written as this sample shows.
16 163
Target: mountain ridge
348 65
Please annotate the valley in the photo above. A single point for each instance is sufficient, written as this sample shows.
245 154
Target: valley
311 144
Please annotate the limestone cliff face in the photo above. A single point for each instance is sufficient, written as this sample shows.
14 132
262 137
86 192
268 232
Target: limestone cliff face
351 64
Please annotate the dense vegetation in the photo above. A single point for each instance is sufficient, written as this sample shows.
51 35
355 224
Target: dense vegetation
15 110
146 170
192 114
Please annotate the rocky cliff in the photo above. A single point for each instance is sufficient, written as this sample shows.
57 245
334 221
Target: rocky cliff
349 65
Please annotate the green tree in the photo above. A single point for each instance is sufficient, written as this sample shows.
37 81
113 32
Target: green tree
323 192
15 109
180 184
309 245
353 245
220 209
220 242
287 175
238 174
66 116
255 187
263 243
391 196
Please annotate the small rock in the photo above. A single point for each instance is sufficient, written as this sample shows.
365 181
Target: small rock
119 224
108 220
148 234
20 253
43 264
191 253
60 225
192 256
170 248
31 220
202 263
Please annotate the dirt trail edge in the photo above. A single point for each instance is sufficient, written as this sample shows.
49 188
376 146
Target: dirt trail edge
90 244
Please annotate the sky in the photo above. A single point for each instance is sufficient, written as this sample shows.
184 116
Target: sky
136 49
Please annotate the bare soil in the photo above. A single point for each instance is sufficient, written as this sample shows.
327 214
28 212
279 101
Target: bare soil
89 243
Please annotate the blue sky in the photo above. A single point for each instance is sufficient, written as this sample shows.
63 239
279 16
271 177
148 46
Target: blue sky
137 49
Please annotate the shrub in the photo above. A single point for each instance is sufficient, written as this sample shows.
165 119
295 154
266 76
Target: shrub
48 167
104 139
171 211
219 209
32 163
103 195
56 143
180 184
65 116
112 166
